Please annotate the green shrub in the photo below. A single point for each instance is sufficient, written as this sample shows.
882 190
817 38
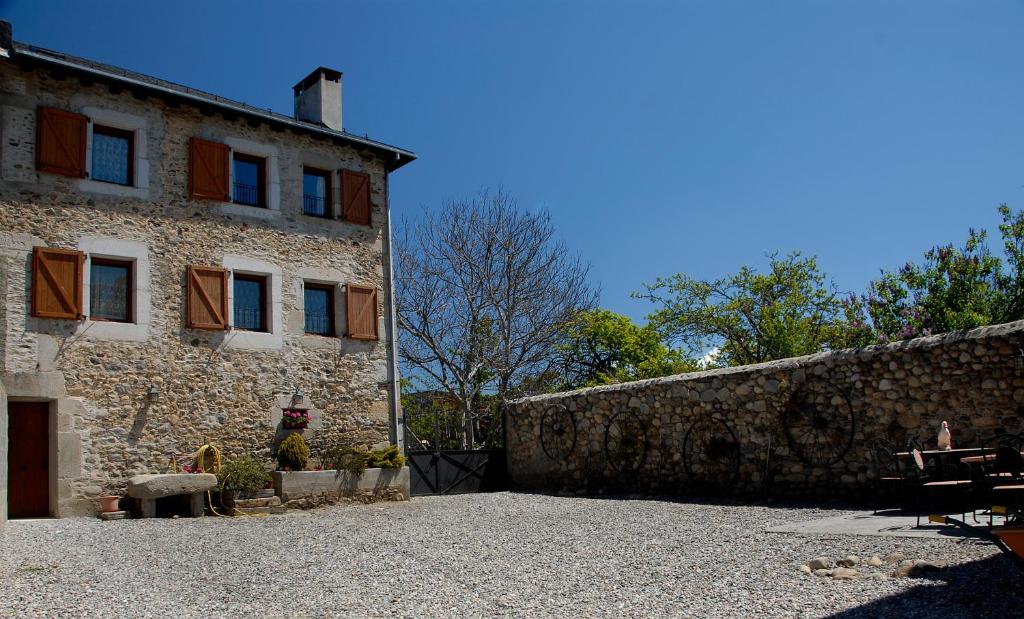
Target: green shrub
293 453
343 458
387 458
355 461
246 474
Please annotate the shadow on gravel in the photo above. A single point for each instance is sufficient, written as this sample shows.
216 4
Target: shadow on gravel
992 587
708 500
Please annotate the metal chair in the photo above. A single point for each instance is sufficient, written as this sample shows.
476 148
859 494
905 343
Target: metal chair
887 472
1004 474
940 480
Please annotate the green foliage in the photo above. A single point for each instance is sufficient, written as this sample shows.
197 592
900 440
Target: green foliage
602 347
751 317
355 461
343 458
386 458
951 289
246 474
293 453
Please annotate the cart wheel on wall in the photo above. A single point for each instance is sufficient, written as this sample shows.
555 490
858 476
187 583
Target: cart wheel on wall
558 432
625 441
711 452
819 423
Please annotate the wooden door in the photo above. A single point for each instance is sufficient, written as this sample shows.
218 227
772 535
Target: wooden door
28 463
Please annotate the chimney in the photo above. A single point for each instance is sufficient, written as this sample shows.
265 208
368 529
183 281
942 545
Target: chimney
318 98
6 40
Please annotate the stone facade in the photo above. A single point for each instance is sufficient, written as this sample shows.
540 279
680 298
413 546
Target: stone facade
221 387
797 428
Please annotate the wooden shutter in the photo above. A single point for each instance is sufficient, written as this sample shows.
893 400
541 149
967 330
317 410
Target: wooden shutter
207 298
57 276
60 142
208 170
361 311
355 197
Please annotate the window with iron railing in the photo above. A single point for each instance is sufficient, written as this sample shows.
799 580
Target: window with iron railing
250 300
249 182
316 192
319 309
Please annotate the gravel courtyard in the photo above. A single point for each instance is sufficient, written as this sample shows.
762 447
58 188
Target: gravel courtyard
483 555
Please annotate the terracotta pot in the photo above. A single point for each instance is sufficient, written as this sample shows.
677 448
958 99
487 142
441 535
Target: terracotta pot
108 504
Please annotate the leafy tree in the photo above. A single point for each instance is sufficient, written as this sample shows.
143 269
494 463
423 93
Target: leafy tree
603 347
951 289
751 317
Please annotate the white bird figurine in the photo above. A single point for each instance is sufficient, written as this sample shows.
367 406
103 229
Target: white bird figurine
945 439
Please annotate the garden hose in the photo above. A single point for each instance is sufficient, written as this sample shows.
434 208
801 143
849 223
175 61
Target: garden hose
201 465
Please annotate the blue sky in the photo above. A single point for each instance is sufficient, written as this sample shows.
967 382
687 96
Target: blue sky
661 136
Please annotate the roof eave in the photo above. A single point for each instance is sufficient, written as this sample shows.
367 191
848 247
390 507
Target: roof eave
396 157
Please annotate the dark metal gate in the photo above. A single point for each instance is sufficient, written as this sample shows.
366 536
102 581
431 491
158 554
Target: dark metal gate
456 471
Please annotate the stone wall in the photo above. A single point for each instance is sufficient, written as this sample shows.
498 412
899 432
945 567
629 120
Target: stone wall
214 387
800 427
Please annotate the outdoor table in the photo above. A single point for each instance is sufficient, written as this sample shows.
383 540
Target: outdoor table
939 452
980 459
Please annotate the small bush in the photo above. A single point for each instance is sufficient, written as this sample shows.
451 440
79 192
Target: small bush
293 453
246 474
343 458
387 458
355 461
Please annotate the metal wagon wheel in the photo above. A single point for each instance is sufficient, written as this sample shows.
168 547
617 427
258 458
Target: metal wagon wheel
625 441
711 452
819 423
557 432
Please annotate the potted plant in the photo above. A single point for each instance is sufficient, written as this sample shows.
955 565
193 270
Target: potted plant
108 503
242 478
295 418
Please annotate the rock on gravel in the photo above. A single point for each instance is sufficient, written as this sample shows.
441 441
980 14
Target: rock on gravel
485 555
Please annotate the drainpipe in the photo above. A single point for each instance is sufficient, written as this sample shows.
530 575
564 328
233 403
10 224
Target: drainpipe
397 419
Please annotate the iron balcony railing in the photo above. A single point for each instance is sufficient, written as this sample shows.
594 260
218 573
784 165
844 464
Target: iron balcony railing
249 319
246 194
321 325
313 205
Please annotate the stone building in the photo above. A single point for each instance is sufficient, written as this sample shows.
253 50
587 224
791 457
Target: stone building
176 269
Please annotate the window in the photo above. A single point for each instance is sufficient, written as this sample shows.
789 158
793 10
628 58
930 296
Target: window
250 298
110 290
112 155
250 184
316 192
319 307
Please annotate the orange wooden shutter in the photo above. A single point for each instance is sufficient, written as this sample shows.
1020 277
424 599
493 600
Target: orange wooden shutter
355 197
60 142
57 283
361 310
207 298
208 170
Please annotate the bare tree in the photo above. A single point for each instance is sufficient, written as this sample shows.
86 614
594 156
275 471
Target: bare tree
485 291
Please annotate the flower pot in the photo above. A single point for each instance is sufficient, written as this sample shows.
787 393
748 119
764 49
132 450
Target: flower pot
108 504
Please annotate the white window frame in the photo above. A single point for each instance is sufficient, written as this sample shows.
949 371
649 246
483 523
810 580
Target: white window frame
272 338
138 330
273 179
140 173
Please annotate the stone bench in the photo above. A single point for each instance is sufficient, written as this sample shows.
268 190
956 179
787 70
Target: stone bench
148 488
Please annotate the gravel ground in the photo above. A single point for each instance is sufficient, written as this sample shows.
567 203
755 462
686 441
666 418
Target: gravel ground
483 555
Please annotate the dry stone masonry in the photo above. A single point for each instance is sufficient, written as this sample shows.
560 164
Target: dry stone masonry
222 387
800 427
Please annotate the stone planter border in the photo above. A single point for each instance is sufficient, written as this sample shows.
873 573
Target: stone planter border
291 485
